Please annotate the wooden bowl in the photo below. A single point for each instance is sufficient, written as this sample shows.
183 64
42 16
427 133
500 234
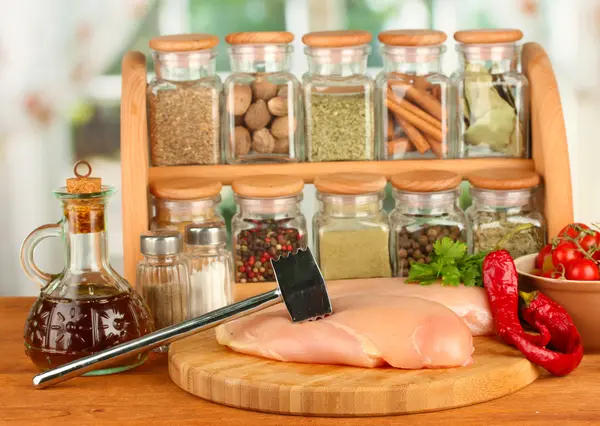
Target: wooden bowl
580 298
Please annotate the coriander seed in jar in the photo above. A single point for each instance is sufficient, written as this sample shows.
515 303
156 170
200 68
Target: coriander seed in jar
413 96
184 101
426 211
351 230
268 224
504 213
338 97
262 115
179 202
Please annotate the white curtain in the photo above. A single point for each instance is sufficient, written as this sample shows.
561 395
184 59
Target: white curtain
49 50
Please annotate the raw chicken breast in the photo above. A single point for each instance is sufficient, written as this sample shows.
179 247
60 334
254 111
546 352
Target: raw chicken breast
364 331
469 303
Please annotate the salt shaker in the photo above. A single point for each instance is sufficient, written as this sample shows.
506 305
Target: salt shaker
163 279
211 267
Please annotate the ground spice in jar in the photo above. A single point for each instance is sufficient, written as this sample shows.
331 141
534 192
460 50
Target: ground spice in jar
255 247
417 246
360 253
341 127
184 125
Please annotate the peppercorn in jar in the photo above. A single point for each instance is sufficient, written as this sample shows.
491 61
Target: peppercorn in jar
426 211
262 100
504 213
184 101
351 229
338 97
179 202
268 224
412 97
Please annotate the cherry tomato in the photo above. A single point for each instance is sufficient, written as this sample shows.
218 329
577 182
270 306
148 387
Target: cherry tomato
539 260
583 270
565 253
588 241
572 230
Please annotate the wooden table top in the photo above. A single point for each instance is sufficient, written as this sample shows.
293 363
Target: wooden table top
147 395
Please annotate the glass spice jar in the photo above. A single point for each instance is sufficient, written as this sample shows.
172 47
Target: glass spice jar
210 266
179 202
163 279
262 100
184 101
268 223
412 96
492 97
351 230
338 97
426 211
504 213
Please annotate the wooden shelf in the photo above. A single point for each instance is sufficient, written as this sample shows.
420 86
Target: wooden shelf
548 139
309 171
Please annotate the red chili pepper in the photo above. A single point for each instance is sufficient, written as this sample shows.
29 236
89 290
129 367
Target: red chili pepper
540 310
501 284
551 319
556 363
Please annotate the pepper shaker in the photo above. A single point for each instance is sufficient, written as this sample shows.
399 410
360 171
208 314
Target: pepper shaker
163 279
211 267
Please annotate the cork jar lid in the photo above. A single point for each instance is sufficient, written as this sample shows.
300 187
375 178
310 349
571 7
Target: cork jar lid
260 37
183 42
189 188
412 37
504 179
268 186
350 183
488 36
426 181
337 38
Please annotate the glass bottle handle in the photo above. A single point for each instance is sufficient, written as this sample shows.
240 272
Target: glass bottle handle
28 249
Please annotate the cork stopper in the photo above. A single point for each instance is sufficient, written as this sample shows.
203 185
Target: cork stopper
83 183
350 183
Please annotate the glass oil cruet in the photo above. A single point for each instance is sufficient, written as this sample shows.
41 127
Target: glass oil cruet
88 307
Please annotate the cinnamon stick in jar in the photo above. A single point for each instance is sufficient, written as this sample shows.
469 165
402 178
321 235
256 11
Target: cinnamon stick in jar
415 101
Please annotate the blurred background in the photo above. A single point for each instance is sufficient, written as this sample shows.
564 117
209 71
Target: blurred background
60 85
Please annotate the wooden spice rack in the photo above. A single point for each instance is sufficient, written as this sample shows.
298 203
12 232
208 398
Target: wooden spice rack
550 157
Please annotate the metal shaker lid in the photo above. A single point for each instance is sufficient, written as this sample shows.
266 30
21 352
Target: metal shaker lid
161 243
205 234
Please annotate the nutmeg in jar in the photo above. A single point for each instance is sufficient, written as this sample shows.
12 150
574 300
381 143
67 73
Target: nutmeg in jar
262 102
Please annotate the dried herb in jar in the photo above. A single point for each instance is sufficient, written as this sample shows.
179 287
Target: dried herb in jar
490 113
184 125
496 230
341 127
417 246
255 247
361 253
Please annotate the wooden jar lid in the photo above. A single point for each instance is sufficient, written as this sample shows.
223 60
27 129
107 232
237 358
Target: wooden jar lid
426 181
489 36
260 37
350 183
337 38
268 186
412 37
183 42
189 188
504 179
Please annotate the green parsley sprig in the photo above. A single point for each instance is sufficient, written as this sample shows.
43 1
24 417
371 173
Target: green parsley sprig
451 263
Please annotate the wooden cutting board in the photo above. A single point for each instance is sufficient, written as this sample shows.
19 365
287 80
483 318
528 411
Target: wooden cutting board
202 367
